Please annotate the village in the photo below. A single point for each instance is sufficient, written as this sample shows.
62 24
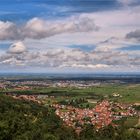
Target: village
103 114
100 116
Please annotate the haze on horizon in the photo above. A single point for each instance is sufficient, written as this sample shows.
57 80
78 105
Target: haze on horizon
70 36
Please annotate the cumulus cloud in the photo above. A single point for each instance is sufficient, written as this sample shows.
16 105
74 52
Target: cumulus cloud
37 28
17 48
134 35
8 31
71 58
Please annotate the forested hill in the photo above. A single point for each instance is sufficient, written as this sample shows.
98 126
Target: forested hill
21 120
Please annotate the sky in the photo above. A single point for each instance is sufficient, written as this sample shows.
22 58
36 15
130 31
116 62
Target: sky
70 36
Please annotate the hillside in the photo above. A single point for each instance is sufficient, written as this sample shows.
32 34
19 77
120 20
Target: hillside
21 120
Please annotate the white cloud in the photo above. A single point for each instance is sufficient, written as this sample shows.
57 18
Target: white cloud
85 66
78 30
71 58
112 24
17 48
8 31
37 28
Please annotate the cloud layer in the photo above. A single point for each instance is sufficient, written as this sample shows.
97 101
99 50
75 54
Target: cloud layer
37 28
73 34
68 58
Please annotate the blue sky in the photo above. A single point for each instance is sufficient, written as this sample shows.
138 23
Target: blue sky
70 35
19 10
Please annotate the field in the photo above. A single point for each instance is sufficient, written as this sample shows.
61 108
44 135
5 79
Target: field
129 93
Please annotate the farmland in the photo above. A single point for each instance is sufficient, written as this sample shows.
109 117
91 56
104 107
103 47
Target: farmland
128 93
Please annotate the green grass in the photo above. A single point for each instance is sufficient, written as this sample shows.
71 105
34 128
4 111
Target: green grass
131 121
129 93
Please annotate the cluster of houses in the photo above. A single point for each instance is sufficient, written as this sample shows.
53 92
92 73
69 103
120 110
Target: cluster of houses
100 116
123 110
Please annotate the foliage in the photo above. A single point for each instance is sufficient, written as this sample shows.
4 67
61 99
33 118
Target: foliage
21 120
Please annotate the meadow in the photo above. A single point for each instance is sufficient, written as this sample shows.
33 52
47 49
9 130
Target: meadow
128 93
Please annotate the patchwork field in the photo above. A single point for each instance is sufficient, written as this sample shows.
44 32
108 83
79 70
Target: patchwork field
125 93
